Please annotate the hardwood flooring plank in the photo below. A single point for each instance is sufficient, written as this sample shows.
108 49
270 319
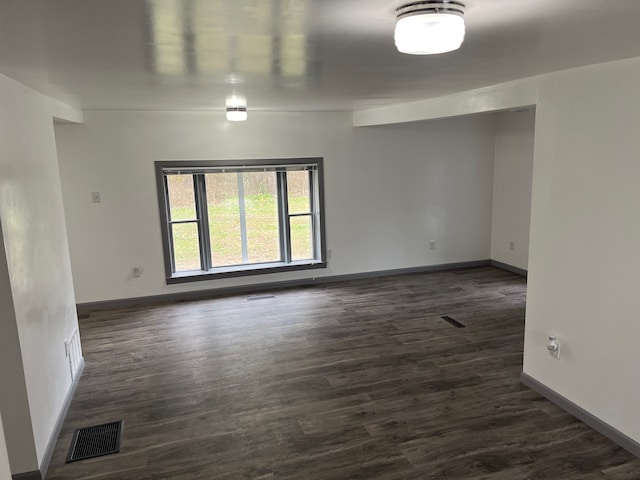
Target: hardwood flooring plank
352 380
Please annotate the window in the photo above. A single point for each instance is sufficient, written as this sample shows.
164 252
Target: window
223 219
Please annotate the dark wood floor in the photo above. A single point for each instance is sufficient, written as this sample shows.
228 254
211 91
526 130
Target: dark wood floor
357 380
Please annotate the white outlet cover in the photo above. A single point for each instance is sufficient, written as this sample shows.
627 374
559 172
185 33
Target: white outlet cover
137 271
553 346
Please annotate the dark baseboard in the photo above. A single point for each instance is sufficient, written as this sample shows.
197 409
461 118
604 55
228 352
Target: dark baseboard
218 292
508 268
48 453
35 475
581 414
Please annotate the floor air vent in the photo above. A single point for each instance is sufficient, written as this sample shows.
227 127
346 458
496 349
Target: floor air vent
453 321
95 441
262 297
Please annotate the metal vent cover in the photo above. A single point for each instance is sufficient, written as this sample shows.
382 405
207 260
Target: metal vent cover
260 297
453 321
90 442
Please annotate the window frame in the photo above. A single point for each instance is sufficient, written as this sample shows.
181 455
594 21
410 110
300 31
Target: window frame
316 213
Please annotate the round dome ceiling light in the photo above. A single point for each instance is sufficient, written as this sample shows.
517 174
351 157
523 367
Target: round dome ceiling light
429 27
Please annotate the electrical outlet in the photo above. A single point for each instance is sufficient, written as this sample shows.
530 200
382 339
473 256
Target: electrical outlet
512 245
553 346
328 253
432 244
137 272
95 197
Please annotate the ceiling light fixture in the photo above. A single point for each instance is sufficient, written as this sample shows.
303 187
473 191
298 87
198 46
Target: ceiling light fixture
429 27
236 114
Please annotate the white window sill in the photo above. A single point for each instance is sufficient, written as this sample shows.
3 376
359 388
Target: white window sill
243 270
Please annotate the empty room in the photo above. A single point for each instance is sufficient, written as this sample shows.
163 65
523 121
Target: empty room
291 239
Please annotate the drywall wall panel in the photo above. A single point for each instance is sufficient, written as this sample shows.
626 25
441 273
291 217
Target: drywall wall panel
584 257
5 471
512 187
388 190
503 96
37 255
14 403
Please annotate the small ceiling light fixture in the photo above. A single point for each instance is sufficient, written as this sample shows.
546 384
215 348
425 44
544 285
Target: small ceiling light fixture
236 108
236 114
429 27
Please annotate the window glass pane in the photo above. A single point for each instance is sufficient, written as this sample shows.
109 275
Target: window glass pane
261 210
186 248
224 218
298 192
243 212
301 238
181 200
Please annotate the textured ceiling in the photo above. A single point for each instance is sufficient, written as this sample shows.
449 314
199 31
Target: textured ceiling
290 54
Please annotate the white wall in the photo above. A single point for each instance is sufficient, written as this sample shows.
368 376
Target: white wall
585 236
5 471
494 98
38 271
583 252
14 402
388 190
512 188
